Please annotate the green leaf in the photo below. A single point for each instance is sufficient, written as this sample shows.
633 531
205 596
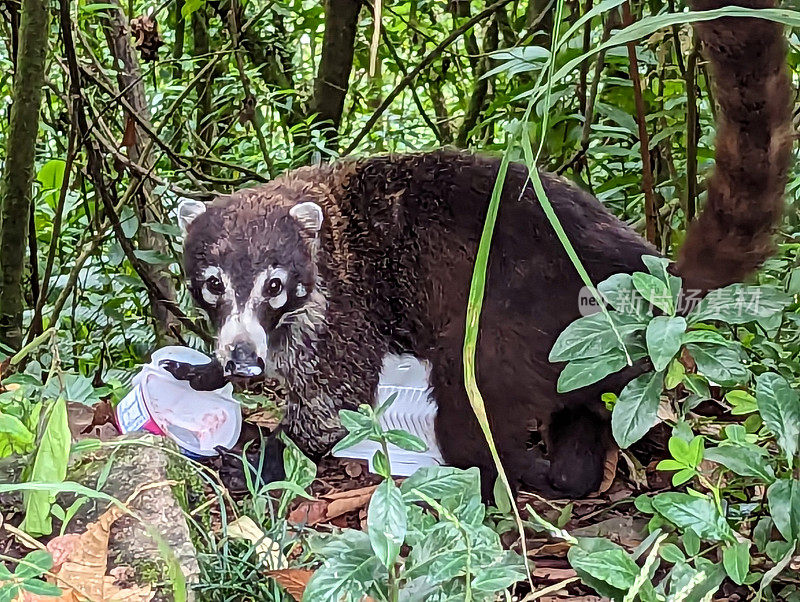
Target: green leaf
438 482
742 460
675 374
671 553
405 440
612 566
583 372
696 513
153 257
720 364
636 409
496 578
592 336
655 291
50 466
381 464
41 588
386 522
704 336
8 592
355 421
742 402
351 439
784 507
346 577
691 543
736 560
619 292
779 406
740 303
35 563
51 175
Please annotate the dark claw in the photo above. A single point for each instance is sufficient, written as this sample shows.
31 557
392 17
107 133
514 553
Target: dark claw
205 377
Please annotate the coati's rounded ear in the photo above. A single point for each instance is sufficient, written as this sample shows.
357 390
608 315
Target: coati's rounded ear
309 215
188 211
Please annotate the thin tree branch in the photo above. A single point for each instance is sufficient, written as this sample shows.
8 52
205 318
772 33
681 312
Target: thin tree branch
429 58
651 215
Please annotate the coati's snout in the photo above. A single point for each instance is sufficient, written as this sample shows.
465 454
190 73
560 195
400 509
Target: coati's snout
251 267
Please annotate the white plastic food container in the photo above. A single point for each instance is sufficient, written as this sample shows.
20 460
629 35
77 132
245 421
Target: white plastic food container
413 411
198 421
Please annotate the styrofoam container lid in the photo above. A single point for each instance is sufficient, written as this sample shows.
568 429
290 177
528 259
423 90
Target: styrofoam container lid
199 421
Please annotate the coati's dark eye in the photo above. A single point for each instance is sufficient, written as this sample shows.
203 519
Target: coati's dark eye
214 285
274 287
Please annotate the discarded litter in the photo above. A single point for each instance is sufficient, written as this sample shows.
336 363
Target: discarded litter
198 421
413 411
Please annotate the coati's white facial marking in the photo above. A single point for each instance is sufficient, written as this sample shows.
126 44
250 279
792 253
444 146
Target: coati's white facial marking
275 288
301 291
242 327
216 286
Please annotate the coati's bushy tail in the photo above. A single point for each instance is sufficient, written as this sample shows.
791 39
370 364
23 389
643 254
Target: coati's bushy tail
733 235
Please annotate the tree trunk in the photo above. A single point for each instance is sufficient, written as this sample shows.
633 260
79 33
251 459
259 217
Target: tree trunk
15 190
130 81
338 44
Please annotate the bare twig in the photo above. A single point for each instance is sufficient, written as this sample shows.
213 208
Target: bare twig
691 133
651 214
429 58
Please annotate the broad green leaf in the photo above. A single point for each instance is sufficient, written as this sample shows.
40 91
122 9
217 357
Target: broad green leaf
506 572
695 513
671 553
619 292
612 566
704 336
8 592
779 406
36 563
51 175
740 303
14 435
717 363
40 588
592 336
675 374
386 522
663 338
583 372
439 482
635 411
381 464
742 402
49 465
742 460
691 543
655 291
405 440
343 578
736 560
784 507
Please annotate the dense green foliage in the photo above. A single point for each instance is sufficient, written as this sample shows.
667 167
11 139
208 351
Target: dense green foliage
226 94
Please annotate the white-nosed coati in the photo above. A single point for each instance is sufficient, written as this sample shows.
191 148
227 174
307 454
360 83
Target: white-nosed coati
318 274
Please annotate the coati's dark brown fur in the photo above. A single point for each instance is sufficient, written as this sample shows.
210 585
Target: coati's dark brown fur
390 266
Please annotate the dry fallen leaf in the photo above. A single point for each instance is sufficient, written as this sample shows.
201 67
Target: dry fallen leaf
332 505
609 470
354 500
82 570
269 552
294 581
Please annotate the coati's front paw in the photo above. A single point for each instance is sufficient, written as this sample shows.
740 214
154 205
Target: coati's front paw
203 377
